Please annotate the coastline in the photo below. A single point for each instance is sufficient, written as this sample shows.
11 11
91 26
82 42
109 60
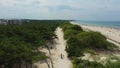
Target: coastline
107 25
112 34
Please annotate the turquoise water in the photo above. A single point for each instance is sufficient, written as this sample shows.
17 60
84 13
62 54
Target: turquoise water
111 24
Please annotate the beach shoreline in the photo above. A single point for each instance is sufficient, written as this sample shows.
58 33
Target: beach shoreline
112 34
97 25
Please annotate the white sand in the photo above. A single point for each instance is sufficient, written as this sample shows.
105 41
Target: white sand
112 34
60 49
56 53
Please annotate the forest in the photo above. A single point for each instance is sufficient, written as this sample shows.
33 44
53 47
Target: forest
19 44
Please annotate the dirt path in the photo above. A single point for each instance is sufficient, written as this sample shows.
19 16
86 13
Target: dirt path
60 59
58 54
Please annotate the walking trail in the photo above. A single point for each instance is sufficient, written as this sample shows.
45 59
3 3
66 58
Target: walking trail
58 54
58 60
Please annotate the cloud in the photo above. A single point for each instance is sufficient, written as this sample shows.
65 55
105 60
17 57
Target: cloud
61 9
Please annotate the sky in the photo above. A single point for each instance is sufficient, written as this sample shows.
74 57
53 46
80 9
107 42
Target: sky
100 10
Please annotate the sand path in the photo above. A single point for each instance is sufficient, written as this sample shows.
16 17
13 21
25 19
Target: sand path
59 62
58 54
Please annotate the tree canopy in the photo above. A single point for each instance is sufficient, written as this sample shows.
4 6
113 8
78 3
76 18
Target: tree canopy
20 43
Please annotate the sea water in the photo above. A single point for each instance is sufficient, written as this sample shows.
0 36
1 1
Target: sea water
111 24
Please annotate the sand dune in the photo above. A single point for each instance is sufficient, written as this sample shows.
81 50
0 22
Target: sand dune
112 34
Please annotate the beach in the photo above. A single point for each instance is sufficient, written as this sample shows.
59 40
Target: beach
112 34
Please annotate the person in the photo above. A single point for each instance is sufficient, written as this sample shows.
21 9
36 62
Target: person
62 56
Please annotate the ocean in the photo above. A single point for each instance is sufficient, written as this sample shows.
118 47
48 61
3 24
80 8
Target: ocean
110 24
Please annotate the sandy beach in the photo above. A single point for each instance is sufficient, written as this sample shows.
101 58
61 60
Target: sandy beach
112 34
